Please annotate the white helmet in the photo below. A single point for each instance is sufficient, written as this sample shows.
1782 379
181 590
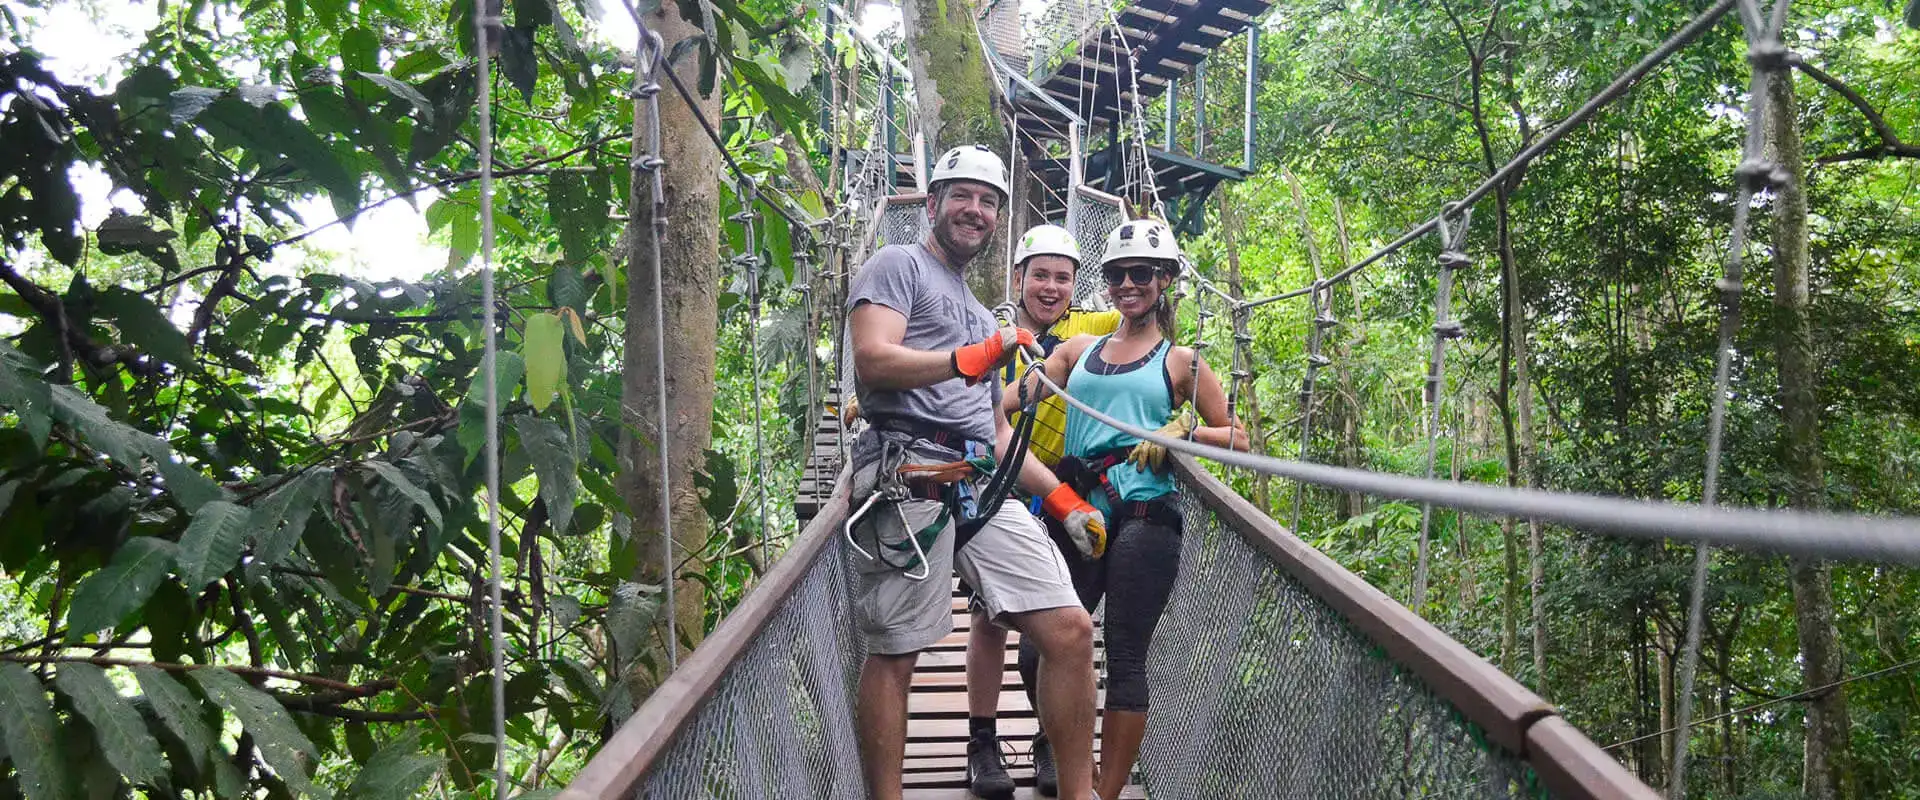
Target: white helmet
1143 238
1047 240
972 163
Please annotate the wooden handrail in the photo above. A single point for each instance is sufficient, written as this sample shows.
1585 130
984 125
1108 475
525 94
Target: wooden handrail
626 758
1569 764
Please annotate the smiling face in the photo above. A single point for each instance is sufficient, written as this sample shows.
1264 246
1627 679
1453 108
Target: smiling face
1132 297
1046 288
965 216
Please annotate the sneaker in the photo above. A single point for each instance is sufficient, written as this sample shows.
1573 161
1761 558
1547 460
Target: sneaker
1045 778
987 774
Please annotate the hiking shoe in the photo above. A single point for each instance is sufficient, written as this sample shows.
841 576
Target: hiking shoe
1045 778
987 774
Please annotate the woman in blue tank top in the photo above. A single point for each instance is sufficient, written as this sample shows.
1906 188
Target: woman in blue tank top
1137 375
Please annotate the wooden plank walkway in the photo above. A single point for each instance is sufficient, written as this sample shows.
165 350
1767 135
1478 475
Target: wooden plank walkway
937 717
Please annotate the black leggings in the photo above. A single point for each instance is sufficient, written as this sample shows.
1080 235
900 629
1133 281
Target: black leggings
1136 576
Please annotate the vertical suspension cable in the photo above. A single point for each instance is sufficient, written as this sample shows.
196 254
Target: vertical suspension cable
1199 351
650 59
482 25
1316 334
1242 368
1453 240
1766 54
750 261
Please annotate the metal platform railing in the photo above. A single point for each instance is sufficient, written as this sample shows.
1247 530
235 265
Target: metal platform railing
1275 673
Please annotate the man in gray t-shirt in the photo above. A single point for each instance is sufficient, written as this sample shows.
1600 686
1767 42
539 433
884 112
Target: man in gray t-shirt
924 356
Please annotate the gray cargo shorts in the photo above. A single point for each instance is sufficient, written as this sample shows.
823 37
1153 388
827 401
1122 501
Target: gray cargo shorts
1012 565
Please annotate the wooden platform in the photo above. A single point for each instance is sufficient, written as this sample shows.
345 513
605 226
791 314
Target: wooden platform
936 764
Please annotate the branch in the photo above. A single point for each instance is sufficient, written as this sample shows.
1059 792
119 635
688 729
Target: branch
1890 143
363 690
1359 77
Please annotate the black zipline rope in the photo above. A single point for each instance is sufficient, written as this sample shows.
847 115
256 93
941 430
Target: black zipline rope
1833 535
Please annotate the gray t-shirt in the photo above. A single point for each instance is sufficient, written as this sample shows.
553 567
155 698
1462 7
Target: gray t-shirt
942 314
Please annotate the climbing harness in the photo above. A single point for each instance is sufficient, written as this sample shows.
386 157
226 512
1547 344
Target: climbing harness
896 481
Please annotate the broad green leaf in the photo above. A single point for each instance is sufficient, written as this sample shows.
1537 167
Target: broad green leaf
32 736
106 597
187 103
117 726
631 612
518 63
396 772
566 288
546 357
190 488
280 518
573 324
281 744
143 324
404 91
577 203
551 452
212 543
472 435
180 711
400 483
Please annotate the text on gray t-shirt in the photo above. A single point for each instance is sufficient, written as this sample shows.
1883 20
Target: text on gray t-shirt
942 314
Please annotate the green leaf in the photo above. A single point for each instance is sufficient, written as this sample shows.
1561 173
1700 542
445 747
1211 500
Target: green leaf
404 91
186 103
142 323
396 772
398 480
181 712
518 64
281 744
189 487
280 518
577 203
551 452
541 345
32 736
567 289
212 543
117 726
106 597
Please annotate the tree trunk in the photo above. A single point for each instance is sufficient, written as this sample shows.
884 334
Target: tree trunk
954 91
1821 661
1352 451
689 275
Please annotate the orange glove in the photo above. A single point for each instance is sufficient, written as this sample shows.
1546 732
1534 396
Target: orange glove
976 360
1085 525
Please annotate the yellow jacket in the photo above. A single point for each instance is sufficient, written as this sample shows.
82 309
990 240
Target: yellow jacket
1050 420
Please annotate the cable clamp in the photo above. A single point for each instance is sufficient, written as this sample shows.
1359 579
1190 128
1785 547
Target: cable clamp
1449 329
1454 259
1325 320
1769 55
1318 360
1757 174
1729 287
652 162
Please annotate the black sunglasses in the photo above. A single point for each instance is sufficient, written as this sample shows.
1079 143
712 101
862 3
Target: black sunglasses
1141 274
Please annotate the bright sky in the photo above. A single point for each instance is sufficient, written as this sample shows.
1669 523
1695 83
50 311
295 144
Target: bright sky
86 41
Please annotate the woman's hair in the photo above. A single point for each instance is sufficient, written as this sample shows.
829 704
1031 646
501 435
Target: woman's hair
1163 313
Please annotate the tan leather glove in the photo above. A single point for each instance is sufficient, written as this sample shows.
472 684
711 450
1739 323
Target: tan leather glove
1149 456
1085 525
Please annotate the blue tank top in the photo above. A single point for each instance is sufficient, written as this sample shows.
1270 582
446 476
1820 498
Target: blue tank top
1139 393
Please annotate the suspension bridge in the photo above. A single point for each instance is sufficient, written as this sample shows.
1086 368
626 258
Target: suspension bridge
1275 671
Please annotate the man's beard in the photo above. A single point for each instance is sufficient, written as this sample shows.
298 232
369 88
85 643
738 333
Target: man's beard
943 233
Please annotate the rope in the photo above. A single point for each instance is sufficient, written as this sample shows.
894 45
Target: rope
1767 55
1453 242
1316 333
652 56
750 263
1605 97
1841 536
482 24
